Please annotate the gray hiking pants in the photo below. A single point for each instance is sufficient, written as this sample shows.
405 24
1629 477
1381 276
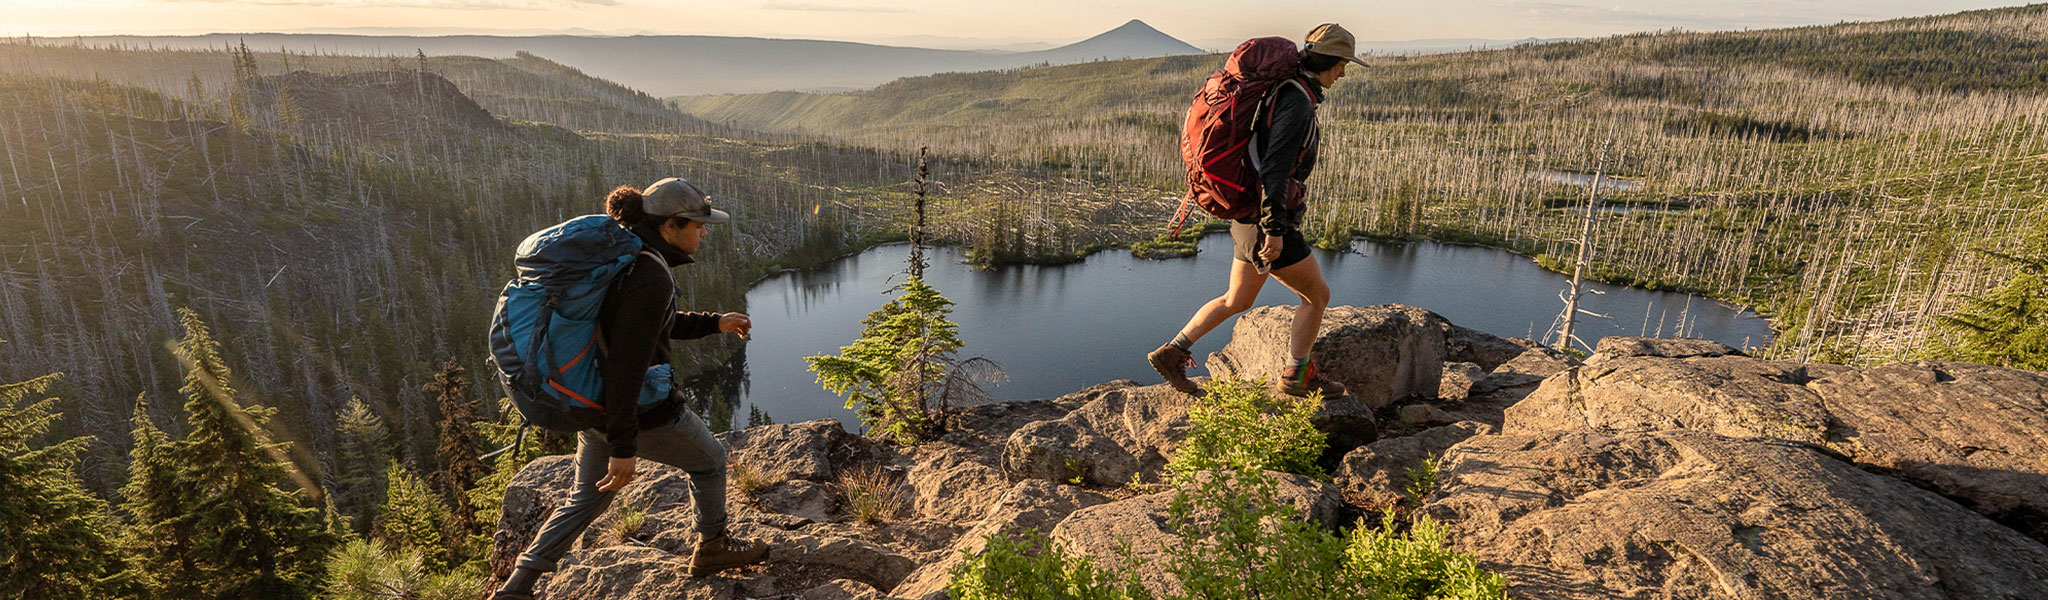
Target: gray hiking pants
686 444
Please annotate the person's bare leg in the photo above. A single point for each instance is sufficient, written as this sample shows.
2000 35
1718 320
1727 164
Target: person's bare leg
1245 283
1305 278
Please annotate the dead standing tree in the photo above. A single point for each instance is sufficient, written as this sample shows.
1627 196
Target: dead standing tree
1571 296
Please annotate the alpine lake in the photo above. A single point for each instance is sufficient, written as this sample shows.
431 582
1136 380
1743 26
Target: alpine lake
1059 329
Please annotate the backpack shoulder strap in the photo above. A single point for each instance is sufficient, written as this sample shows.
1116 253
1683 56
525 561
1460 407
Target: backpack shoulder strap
602 347
1267 105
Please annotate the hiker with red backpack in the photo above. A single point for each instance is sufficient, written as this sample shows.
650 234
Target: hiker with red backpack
1249 144
580 340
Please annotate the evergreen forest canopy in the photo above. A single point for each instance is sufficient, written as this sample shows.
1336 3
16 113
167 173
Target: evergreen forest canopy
280 264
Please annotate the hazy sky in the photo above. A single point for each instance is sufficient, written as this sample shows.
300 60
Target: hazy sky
949 22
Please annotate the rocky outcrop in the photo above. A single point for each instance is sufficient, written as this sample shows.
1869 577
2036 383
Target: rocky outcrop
1030 505
1376 477
1692 514
1970 432
807 450
1485 350
1382 353
1655 469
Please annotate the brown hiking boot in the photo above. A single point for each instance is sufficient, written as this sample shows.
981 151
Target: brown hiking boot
716 554
1311 380
1172 363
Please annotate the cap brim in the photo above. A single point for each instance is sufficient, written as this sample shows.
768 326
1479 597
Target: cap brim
716 217
1361 62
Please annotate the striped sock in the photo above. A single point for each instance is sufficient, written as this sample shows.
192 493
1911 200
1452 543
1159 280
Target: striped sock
1300 368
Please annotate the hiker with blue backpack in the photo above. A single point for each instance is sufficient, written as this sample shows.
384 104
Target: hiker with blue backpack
1249 144
580 339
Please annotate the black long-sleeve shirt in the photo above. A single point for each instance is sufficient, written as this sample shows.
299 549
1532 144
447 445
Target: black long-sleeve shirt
638 319
1288 140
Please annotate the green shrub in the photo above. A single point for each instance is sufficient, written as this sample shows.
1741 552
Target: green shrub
1421 480
1239 426
364 570
1416 564
1031 567
1237 540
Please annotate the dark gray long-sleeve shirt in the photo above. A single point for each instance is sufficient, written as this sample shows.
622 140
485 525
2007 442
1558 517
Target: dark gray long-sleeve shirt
1287 141
633 317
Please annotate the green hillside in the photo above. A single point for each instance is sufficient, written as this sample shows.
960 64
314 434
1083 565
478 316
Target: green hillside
1839 178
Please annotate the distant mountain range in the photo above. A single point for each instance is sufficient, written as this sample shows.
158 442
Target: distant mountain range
1400 47
672 65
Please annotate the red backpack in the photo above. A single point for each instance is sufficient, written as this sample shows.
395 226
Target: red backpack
1215 143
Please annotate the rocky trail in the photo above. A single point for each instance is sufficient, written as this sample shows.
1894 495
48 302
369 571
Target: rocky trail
1657 468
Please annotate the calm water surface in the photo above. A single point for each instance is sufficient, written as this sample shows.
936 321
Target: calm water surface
1058 329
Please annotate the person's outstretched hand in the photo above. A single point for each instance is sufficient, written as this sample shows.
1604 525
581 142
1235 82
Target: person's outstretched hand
733 322
618 474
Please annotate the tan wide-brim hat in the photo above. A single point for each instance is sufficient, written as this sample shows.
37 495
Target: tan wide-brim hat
1331 39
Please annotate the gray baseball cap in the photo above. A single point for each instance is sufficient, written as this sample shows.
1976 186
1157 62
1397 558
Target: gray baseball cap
676 197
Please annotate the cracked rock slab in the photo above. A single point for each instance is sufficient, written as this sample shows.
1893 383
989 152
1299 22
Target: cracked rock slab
1690 514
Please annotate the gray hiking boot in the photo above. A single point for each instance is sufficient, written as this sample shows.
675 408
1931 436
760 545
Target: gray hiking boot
1172 363
719 553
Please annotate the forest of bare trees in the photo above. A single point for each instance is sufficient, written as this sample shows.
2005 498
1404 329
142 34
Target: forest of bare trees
1847 181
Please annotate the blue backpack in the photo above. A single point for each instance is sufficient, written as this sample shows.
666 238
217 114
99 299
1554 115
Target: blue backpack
545 337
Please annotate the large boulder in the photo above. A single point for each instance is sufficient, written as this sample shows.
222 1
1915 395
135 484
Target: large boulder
1382 353
1032 504
1730 395
1117 432
810 450
1488 351
1691 514
1458 380
1974 433
953 483
1970 432
1377 476
1615 347
1144 525
1066 451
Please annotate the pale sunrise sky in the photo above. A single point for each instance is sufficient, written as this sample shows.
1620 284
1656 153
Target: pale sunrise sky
946 23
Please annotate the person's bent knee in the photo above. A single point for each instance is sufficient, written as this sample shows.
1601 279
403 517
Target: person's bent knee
713 468
1234 305
1319 299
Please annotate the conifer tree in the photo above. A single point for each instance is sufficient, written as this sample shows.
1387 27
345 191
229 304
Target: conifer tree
360 451
2008 327
461 463
413 517
901 376
487 496
254 539
57 545
156 510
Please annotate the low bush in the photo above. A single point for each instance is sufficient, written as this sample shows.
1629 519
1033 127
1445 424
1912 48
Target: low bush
1238 425
1238 541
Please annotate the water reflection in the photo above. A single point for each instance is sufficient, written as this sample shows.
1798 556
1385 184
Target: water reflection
1057 329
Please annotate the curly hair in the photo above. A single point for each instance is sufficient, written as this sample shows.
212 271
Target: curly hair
626 206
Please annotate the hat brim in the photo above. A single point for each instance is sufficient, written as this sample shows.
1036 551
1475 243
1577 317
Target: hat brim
1361 62
716 217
